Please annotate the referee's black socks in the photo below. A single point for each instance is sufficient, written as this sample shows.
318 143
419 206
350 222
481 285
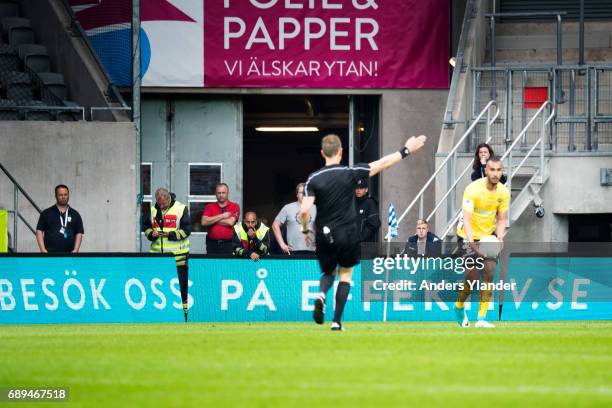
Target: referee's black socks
326 282
341 296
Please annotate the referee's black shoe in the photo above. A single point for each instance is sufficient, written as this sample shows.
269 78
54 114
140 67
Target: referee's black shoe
319 310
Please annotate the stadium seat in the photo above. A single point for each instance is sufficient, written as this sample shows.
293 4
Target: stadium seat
54 82
35 57
20 35
8 62
18 86
8 111
8 8
6 49
32 113
10 22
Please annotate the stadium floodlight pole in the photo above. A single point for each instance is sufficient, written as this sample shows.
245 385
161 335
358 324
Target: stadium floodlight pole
136 111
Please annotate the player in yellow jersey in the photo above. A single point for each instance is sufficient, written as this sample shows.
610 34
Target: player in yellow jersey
485 209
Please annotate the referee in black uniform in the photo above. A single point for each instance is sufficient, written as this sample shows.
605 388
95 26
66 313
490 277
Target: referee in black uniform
337 238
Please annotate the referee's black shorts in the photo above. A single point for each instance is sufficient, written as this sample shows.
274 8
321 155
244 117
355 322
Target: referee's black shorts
344 251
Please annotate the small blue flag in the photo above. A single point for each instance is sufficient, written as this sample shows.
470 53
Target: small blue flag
393 226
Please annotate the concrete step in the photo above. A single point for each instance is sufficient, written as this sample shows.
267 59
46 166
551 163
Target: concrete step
551 28
544 41
548 56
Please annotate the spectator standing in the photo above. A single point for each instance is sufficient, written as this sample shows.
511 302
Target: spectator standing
220 218
60 228
289 216
368 219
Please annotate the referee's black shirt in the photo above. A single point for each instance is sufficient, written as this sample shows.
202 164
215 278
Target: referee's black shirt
334 190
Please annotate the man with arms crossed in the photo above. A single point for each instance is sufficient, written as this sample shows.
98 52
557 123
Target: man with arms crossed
484 200
337 238
220 217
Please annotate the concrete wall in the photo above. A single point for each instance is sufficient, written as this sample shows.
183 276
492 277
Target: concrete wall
573 188
405 113
95 160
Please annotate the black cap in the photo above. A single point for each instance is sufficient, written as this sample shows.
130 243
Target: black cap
363 182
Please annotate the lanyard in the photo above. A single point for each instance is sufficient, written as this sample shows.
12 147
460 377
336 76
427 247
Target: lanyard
64 222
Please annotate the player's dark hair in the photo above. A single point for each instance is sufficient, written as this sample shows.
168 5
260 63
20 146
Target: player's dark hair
494 159
61 186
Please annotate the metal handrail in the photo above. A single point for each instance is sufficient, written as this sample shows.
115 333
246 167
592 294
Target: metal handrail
21 190
508 153
32 108
557 14
18 189
451 224
448 192
108 109
540 141
525 129
467 18
27 224
451 154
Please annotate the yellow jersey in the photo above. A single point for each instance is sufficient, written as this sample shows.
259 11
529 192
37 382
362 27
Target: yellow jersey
484 205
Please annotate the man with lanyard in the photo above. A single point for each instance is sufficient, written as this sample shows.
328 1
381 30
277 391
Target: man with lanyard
59 228
168 229
337 239
485 201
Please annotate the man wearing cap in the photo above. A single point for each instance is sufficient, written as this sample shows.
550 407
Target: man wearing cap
368 220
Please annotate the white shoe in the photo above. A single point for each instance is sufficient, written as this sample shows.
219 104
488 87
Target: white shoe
484 323
335 326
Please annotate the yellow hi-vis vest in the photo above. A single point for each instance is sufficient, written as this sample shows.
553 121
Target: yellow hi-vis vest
242 234
4 230
172 219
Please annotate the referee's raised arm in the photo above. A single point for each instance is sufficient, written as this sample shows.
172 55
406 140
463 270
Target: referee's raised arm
412 144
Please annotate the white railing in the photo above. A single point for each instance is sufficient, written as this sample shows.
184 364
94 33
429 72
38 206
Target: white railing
452 154
508 155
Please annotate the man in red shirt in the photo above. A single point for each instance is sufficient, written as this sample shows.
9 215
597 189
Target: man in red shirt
220 218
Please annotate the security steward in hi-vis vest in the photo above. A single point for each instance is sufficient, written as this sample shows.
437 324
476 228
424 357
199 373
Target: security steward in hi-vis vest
168 229
251 238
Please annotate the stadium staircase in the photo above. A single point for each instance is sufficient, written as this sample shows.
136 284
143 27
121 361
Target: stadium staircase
518 94
40 42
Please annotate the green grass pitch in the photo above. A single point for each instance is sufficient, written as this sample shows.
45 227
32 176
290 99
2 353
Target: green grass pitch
298 364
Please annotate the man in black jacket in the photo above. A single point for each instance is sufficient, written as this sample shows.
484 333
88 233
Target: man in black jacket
368 220
423 243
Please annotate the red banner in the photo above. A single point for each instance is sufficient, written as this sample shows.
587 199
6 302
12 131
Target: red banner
326 43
